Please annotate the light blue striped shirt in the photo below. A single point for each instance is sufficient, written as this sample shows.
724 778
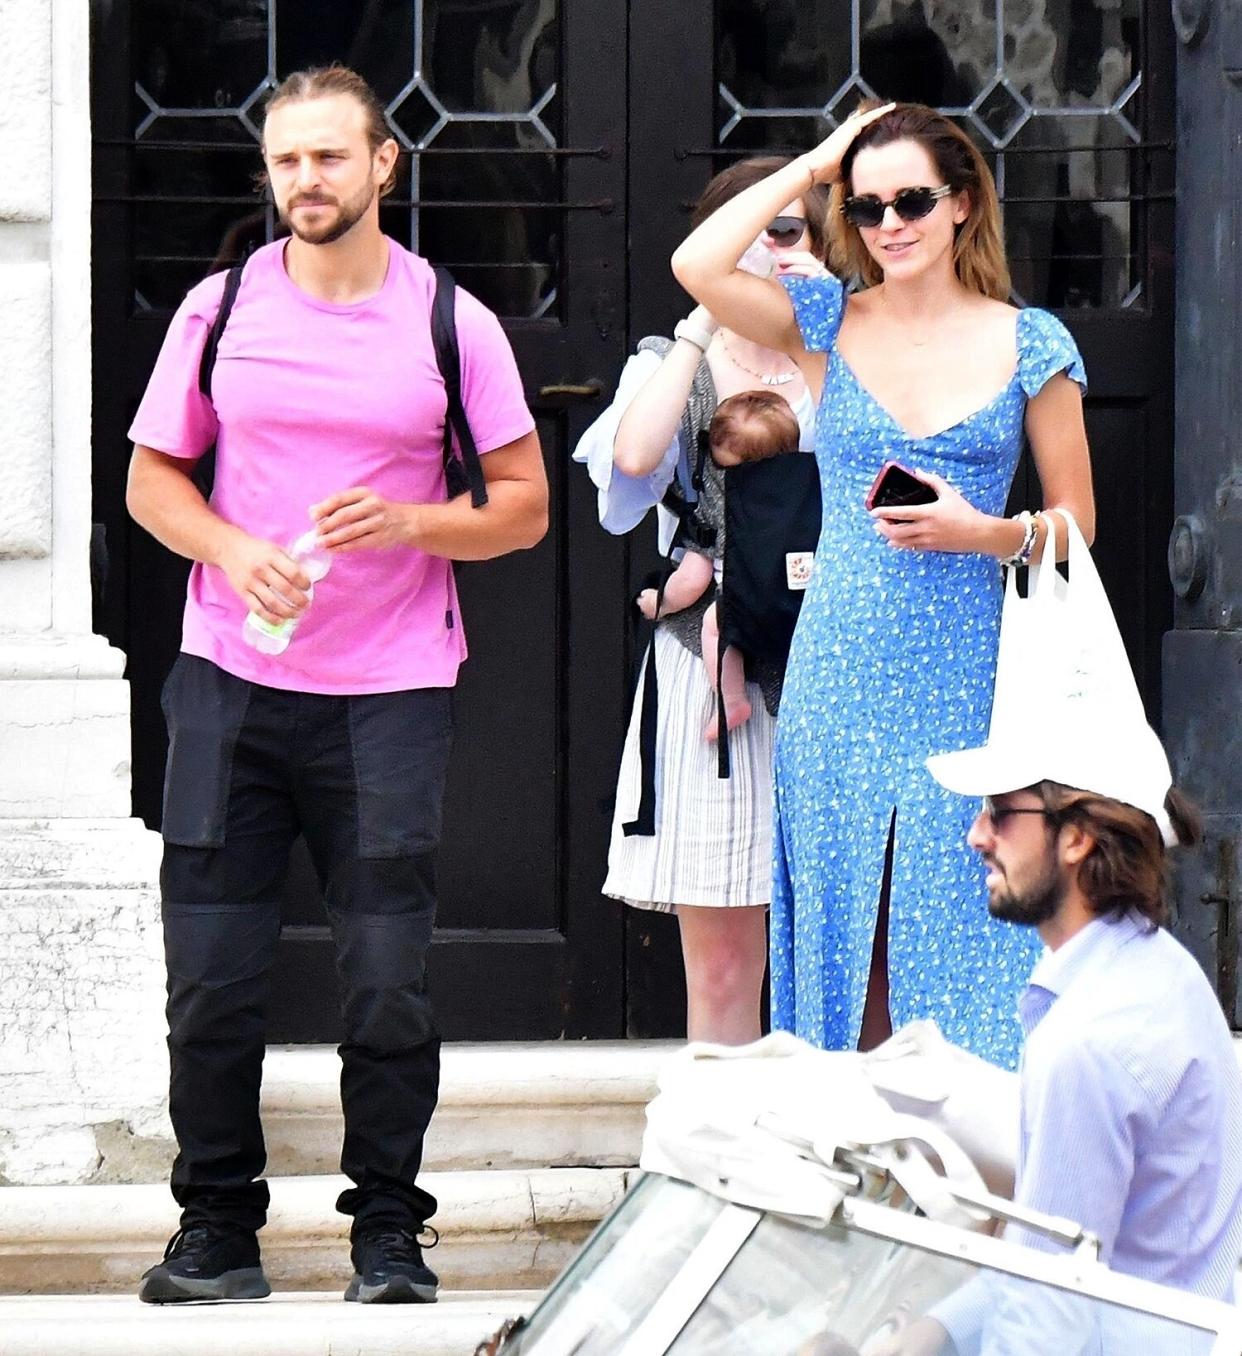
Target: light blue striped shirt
1132 1106
1131 1124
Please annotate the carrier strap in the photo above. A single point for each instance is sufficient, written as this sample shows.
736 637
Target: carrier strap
691 536
722 729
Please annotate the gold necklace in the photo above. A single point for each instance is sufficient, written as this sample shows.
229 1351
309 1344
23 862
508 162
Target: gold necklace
767 378
902 328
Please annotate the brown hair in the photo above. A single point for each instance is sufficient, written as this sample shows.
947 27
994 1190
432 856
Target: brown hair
322 82
1128 866
753 426
745 174
979 248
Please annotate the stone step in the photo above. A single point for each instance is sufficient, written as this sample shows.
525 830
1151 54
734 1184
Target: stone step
505 1105
284 1325
538 1104
500 1230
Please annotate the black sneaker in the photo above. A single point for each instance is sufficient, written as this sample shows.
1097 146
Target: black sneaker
205 1262
389 1268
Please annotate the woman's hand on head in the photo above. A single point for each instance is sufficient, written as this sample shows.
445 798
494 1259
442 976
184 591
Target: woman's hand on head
950 524
824 162
799 264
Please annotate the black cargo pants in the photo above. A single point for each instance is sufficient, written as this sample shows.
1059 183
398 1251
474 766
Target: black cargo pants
362 778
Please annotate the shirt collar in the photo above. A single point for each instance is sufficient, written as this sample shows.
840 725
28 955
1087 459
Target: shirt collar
1086 950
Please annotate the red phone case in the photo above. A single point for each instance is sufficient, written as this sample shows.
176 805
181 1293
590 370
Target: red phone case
869 502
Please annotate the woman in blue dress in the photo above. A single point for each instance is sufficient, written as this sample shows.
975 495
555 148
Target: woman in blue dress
878 908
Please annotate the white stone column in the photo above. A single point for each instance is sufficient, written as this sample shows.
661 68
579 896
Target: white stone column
81 976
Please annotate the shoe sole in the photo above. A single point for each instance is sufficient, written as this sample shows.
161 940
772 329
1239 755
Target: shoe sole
247 1283
397 1290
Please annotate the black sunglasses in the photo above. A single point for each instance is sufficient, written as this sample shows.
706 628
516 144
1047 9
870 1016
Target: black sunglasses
786 231
909 203
999 813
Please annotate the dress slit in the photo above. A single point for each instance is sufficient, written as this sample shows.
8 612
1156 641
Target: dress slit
877 1022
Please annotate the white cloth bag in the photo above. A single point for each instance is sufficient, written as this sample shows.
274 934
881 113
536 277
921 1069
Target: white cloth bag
1066 706
761 1124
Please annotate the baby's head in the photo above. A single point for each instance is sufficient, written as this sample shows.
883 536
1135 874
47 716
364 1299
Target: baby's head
752 426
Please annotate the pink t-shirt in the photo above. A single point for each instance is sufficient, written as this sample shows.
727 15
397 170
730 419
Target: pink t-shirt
311 398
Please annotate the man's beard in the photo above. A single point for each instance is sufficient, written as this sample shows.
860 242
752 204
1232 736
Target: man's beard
348 216
1036 903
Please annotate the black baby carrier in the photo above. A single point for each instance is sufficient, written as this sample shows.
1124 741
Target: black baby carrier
772 520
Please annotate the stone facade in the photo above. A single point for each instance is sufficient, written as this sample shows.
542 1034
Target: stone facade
81 985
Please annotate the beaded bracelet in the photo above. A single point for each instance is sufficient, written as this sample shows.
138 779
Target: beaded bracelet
1030 524
698 335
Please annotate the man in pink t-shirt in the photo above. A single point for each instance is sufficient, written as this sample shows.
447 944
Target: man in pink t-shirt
327 413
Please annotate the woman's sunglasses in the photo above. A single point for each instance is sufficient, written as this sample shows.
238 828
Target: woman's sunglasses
786 231
910 204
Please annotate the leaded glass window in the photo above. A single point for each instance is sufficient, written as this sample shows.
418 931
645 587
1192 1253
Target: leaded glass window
1051 90
471 92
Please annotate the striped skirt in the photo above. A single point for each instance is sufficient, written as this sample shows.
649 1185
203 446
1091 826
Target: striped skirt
713 840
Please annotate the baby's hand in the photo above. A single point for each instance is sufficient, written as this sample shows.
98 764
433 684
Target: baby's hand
646 601
799 264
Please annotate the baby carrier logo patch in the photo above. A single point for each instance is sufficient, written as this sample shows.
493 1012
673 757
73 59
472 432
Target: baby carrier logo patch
798 567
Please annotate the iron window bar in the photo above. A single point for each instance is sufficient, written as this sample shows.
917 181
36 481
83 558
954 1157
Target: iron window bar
1168 195
698 152
252 148
603 205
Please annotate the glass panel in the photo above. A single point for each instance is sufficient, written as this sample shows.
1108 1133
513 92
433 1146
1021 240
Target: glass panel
1051 87
206 55
608 1289
797 1290
837 1292
471 89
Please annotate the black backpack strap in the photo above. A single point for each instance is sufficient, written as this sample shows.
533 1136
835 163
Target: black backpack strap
208 361
448 359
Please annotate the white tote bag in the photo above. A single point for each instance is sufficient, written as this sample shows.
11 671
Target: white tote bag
1066 707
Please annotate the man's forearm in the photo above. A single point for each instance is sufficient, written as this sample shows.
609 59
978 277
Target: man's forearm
514 518
161 497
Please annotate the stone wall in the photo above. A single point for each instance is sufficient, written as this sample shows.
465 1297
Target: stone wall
81 985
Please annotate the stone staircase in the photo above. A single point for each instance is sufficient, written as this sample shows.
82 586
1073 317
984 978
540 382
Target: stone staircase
531 1146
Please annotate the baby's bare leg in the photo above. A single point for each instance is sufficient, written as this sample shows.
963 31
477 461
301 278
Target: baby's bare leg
685 585
732 677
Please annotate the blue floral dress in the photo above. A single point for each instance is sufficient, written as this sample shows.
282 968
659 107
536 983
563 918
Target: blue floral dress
894 659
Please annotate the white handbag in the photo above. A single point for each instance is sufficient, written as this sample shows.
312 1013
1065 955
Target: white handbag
1066 706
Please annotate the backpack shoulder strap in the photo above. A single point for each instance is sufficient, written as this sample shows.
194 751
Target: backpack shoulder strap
448 359
208 361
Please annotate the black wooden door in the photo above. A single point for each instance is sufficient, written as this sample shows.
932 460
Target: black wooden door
515 113
1073 106
560 149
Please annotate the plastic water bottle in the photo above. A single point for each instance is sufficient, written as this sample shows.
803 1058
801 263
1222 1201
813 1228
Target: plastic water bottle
274 637
757 259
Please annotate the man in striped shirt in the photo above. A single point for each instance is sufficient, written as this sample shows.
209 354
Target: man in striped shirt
1131 1097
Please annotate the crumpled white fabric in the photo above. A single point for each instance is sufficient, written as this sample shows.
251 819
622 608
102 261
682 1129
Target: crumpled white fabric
761 1124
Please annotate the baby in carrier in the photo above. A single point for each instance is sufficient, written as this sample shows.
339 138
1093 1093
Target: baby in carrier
750 426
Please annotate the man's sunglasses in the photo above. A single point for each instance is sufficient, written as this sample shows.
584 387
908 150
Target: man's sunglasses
999 813
910 204
786 231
